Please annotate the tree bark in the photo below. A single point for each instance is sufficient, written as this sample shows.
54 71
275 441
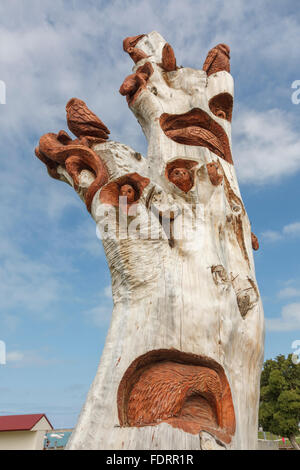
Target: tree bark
182 360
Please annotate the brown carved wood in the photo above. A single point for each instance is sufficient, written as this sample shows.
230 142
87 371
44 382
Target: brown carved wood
74 156
217 60
136 82
196 127
221 106
111 192
188 392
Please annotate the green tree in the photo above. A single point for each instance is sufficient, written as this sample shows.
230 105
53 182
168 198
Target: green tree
279 410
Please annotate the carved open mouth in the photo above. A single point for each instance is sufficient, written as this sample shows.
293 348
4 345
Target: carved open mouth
187 391
196 127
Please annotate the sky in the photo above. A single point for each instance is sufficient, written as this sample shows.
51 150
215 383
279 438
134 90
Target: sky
55 296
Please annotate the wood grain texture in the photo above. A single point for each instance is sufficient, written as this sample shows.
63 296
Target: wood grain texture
182 392
191 289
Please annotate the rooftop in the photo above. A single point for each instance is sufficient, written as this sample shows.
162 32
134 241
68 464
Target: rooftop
21 422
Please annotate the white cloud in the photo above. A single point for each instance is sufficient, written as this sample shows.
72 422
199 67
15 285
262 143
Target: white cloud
266 145
54 52
292 229
288 321
288 231
107 292
28 359
25 283
272 235
99 316
289 292
9 322
290 289
14 356
86 240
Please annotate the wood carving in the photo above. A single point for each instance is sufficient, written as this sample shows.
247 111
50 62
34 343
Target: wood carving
168 62
130 186
217 59
74 157
215 177
255 243
246 294
135 53
181 364
221 106
84 123
135 83
196 127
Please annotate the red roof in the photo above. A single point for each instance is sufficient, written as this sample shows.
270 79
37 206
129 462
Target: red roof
20 422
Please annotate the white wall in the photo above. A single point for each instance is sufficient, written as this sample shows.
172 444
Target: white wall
18 440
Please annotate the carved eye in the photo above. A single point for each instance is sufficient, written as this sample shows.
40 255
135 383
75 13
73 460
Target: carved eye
221 114
221 106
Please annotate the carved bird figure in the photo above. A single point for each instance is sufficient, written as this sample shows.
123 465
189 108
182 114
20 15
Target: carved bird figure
87 127
127 191
217 59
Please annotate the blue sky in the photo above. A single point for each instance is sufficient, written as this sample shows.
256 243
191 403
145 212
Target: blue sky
55 299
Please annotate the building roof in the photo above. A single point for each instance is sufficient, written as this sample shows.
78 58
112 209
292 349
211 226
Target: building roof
21 422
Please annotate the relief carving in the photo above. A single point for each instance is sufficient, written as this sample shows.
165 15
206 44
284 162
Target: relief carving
217 59
135 53
180 172
196 127
168 58
188 392
76 155
136 82
129 186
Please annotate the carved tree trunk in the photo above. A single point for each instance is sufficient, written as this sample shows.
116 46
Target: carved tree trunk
183 355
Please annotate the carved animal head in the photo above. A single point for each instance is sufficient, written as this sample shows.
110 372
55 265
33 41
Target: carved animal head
73 101
213 168
225 49
128 191
182 178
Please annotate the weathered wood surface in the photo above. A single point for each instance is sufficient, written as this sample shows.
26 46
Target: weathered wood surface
193 292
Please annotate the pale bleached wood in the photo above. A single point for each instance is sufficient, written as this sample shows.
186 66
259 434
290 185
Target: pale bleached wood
167 297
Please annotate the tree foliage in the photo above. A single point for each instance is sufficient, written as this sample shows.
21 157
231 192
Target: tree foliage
279 411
